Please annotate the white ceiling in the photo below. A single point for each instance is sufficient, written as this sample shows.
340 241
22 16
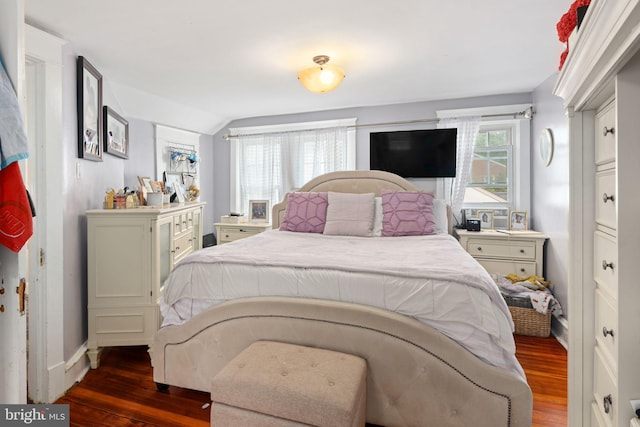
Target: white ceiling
213 61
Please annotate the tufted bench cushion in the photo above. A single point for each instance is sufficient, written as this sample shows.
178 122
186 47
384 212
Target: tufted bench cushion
278 384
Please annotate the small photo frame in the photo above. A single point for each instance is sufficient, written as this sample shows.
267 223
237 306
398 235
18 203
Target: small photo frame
89 110
259 210
116 133
486 219
518 220
145 183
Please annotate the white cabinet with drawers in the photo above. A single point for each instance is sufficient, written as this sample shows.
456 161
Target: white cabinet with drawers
498 252
226 233
130 253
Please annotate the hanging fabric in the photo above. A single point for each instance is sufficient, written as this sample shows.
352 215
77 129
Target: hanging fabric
468 128
13 140
16 224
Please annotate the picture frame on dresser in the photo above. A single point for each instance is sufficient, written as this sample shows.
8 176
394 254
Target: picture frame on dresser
518 220
258 210
486 219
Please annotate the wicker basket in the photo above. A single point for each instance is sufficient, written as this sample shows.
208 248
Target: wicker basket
526 319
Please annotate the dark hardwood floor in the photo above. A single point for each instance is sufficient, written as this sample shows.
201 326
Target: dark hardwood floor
122 392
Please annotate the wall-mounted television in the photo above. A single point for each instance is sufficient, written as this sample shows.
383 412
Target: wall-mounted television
427 153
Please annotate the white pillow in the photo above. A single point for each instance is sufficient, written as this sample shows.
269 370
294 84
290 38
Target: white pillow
349 214
439 215
377 217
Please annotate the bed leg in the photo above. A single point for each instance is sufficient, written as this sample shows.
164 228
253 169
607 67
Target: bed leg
162 387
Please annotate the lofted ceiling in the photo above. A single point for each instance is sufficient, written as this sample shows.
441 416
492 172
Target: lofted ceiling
213 61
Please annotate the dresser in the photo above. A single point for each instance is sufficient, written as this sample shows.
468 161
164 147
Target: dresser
130 253
521 254
600 88
226 233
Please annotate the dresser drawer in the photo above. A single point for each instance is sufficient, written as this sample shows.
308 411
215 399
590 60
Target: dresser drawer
183 246
607 329
524 269
605 263
605 134
604 389
606 198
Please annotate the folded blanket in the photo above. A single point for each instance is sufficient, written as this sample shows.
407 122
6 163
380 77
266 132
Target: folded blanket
533 287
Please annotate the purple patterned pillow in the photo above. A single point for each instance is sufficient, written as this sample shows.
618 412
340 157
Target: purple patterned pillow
305 213
407 213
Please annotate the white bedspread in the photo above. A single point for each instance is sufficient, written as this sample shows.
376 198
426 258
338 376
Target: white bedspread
430 278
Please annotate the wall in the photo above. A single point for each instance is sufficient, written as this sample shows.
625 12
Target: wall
365 115
550 187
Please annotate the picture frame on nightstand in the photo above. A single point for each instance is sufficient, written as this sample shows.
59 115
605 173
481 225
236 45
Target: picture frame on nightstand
486 219
518 220
258 210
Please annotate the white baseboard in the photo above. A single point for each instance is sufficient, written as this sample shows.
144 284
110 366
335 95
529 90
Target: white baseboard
560 330
57 382
76 367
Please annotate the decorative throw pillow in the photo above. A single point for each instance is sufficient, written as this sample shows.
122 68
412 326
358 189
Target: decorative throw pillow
349 214
440 216
377 217
407 213
305 212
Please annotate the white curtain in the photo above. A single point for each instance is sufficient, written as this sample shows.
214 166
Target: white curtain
468 128
272 164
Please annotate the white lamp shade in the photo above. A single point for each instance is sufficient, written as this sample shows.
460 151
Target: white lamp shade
321 79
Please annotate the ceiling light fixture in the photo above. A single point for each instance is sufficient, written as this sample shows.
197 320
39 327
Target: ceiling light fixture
323 78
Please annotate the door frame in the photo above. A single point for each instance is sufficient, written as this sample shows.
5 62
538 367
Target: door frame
46 365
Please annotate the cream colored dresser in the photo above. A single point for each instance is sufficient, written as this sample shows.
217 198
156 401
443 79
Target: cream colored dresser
520 254
130 252
600 87
226 233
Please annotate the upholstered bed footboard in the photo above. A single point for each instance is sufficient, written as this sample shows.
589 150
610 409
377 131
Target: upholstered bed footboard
416 376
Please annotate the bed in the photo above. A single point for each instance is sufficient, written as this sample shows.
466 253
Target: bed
438 344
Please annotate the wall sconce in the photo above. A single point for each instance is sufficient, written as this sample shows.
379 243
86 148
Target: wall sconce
323 78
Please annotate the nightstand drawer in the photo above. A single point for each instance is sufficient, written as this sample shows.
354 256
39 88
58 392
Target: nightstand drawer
502 249
606 198
605 134
606 330
523 269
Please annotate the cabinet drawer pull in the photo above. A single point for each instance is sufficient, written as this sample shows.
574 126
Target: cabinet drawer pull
521 251
606 265
480 248
606 331
522 270
606 198
607 401
606 131
177 248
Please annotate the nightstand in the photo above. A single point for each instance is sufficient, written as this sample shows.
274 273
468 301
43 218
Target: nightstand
226 233
519 253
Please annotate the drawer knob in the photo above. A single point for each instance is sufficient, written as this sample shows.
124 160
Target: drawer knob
606 198
177 248
521 251
607 402
522 270
606 265
479 248
606 332
606 131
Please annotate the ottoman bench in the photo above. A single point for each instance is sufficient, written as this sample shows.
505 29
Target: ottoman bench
278 384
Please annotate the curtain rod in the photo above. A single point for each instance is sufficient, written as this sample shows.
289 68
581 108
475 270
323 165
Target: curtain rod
527 114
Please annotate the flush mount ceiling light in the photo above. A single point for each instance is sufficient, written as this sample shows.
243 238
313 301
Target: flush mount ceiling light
323 78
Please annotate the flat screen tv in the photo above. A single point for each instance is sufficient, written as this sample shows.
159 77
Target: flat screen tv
415 153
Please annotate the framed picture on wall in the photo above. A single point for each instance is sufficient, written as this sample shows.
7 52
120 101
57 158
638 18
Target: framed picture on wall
89 105
259 210
116 133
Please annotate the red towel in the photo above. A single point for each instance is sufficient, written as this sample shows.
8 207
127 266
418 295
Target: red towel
16 224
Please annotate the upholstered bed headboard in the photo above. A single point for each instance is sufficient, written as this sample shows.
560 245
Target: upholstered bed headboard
358 181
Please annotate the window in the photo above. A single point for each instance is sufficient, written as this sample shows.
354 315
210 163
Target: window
269 161
500 170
